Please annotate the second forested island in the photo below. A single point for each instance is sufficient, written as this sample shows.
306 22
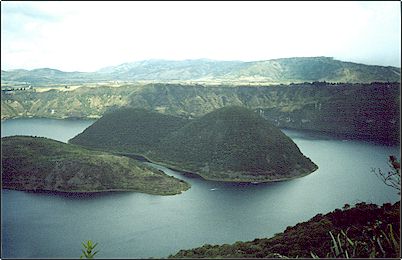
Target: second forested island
228 144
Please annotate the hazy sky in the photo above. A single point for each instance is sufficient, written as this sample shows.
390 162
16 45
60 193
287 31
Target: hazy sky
86 36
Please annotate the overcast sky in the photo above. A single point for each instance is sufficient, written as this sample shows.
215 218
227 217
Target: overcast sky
86 36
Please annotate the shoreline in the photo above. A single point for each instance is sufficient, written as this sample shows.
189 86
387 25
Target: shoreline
53 118
185 171
90 192
338 135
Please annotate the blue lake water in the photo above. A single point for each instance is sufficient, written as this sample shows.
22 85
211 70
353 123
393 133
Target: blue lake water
136 225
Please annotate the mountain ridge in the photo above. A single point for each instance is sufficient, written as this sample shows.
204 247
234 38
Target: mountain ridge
362 111
274 71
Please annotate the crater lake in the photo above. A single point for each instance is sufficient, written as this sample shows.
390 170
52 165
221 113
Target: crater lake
137 225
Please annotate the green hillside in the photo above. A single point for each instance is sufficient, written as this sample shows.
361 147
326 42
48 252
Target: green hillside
364 231
128 130
32 163
229 144
233 144
310 69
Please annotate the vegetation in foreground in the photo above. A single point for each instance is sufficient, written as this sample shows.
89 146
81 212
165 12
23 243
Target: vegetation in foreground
229 144
363 231
89 250
41 164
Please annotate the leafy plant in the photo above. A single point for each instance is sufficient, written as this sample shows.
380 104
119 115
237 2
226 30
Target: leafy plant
381 243
342 246
88 252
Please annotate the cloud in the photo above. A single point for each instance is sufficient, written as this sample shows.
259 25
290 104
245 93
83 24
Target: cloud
90 35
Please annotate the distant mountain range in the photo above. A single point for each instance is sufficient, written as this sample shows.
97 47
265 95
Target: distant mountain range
275 71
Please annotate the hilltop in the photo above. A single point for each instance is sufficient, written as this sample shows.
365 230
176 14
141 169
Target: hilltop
233 144
41 164
275 71
228 144
130 130
363 231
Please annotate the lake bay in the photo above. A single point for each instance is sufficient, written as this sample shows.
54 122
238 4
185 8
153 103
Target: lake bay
136 225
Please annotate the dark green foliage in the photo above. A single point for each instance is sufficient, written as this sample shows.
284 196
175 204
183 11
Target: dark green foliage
234 141
129 130
30 163
363 231
231 143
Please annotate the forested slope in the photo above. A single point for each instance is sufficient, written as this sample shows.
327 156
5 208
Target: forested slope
368 111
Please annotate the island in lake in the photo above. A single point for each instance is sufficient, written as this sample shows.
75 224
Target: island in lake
42 164
228 144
